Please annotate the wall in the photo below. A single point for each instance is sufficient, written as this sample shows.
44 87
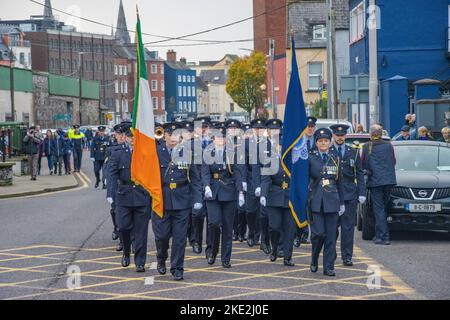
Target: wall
23 103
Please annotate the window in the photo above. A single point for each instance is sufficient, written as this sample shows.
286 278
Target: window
188 91
163 103
125 70
180 93
319 32
125 86
162 85
357 22
179 78
184 106
184 91
124 106
154 69
184 78
189 106
188 79
155 102
193 91
180 106
117 86
115 70
22 58
315 75
162 69
117 105
154 85
194 105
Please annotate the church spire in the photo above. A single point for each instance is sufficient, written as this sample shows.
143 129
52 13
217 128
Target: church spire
48 12
121 28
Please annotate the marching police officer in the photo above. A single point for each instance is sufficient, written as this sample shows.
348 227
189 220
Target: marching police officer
354 189
275 200
326 201
303 234
222 181
181 187
98 154
133 204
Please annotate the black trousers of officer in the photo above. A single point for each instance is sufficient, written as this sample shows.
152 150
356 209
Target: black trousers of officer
347 223
220 218
174 224
134 220
77 157
98 166
282 229
323 234
263 221
197 226
240 223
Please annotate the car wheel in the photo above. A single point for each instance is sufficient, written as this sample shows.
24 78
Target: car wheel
367 225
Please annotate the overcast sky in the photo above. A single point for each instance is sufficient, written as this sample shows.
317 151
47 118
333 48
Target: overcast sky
160 17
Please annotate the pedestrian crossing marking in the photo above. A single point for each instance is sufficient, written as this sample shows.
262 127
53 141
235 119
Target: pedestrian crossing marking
252 274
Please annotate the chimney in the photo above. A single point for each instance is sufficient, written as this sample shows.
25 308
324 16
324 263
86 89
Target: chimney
171 56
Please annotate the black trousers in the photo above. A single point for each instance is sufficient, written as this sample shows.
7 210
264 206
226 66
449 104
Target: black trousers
323 235
240 223
251 218
282 229
77 157
347 223
198 223
263 222
134 220
98 166
173 225
220 221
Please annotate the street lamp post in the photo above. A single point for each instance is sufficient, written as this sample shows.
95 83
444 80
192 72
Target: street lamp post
11 80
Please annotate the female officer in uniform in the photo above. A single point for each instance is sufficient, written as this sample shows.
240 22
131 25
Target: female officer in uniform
222 181
326 201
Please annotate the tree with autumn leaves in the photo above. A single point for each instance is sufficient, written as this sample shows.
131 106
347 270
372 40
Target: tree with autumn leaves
247 81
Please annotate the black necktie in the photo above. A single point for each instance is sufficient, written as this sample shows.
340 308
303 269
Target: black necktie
325 157
309 144
340 151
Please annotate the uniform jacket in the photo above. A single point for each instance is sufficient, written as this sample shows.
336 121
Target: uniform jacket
128 194
379 161
327 197
225 179
181 183
275 188
98 148
352 182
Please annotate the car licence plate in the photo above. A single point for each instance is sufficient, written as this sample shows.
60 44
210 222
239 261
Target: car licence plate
422 207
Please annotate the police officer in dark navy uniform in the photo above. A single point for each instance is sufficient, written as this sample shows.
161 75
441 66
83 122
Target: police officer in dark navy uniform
222 182
303 234
182 191
133 204
326 201
275 200
354 188
98 154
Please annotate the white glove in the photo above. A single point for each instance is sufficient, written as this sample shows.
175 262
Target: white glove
110 200
263 201
208 192
92 159
362 199
258 192
244 186
198 206
241 199
342 210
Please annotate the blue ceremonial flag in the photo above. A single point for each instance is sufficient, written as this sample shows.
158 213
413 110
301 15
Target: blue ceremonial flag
295 150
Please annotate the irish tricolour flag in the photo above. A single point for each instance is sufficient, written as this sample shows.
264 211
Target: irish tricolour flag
145 163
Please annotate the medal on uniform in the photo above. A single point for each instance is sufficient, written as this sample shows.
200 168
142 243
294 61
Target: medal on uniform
325 182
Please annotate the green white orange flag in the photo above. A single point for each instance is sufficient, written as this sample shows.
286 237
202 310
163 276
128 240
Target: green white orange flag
145 164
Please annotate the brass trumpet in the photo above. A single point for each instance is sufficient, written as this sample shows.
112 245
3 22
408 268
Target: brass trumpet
159 133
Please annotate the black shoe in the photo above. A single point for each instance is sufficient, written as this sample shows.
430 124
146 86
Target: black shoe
96 184
177 276
211 259
196 248
125 261
119 247
241 238
382 242
280 254
297 242
386 242
251 242
161 268
348 263
104 187
265 248
288 263
114 236
235 237
314 268
329 273
226 265
140 269
273 257
258 242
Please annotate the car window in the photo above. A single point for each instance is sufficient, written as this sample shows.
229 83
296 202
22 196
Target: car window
444 158
417 158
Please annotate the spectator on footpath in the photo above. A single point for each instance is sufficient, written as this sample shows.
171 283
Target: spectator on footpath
445 135
379 162
360 129
67 151
405 133
59 151
424 134
89 137
40 148
31 142
49 150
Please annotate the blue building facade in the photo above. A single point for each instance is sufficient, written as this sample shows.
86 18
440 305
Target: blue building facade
181 91
412 44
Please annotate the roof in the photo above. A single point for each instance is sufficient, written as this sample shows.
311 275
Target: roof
214 76
6 29
201 84
177 66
